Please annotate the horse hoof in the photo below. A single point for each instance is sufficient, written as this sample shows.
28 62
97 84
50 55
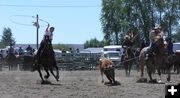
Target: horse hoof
142 80
153 81
102 81
57 78
107 83
116 83
160 82
112 84
46 77
46 82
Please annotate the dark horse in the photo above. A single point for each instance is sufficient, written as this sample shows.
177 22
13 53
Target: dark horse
154 61
127 60
12 61
46 60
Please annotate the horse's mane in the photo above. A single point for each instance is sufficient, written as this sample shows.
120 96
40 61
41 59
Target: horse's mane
161 46
47 48
129 52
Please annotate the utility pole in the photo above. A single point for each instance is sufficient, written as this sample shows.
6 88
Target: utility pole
37 31
36 24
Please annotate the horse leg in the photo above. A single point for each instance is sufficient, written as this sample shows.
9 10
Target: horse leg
159 73
169 75
46 76
149 71
56 67
130 69
40 74
57 72
51 70
126 69
141 63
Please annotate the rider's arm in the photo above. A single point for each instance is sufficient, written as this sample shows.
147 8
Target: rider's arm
47 27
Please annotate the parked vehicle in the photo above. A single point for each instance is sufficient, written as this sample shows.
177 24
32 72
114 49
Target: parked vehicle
112 55
118 48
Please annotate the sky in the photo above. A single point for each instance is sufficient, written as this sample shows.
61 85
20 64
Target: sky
75 21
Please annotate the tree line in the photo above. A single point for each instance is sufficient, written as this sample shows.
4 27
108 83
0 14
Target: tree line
118 17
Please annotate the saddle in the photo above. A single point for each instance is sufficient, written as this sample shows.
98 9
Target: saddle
151 51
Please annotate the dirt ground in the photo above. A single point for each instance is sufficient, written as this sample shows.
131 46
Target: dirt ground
78 84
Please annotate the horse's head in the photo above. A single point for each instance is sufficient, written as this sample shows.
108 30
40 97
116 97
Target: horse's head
128 52
161 46
47 44
47 40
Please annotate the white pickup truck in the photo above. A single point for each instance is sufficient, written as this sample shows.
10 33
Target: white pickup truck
112 55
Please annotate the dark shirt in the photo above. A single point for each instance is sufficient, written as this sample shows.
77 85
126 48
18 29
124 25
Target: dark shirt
11 50
28 48
127 43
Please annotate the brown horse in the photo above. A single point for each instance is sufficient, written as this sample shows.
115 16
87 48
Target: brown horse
128 60
106 67
46 61
154 61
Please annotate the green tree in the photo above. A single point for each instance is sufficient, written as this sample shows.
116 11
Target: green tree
176 36
110 20
140 16
93 43
7 38
62 47
1 45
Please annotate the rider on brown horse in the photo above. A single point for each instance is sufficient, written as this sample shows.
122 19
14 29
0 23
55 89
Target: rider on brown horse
154 36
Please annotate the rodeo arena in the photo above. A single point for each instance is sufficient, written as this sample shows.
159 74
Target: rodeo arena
79 73
111 71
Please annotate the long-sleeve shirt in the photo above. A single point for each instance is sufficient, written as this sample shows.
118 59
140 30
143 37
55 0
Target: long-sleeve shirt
49 34
127 43
155 36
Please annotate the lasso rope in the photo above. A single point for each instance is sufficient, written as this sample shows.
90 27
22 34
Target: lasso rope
127 60
12 16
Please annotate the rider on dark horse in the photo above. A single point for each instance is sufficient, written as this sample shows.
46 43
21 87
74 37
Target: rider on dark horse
48 36
154 36
11 53
127 43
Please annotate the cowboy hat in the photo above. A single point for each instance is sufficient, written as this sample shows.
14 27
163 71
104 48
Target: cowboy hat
157 27
126 37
